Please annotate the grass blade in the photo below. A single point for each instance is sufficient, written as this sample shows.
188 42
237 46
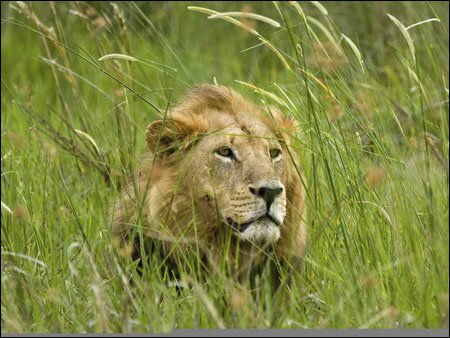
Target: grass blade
405 34
246 15
320 7
6 208
117 56
355 51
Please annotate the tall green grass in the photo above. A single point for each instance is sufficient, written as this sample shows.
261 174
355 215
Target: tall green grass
368 87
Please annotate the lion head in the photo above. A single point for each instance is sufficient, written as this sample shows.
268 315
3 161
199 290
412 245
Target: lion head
220 165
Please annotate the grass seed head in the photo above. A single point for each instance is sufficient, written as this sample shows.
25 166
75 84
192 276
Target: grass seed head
375 175
21 213
237 300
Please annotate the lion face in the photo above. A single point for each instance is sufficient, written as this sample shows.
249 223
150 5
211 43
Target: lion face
242 178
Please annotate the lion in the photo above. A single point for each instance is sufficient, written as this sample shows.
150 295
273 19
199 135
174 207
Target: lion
220 178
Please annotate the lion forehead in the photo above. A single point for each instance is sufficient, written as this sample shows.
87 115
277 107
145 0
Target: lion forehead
243 123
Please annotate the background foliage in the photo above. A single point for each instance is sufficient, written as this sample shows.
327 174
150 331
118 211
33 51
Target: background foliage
369 91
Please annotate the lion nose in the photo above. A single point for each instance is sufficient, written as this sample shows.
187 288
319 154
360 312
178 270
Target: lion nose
268 194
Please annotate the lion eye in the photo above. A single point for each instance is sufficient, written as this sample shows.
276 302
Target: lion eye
275 152
225 152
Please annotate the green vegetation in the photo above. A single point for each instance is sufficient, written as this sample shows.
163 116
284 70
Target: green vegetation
369 91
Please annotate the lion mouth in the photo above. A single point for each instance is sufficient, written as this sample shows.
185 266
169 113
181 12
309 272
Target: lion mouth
264 229
241 227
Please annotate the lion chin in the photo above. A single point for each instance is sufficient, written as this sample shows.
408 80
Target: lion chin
261 231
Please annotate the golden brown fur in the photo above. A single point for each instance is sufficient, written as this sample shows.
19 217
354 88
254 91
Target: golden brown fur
184 190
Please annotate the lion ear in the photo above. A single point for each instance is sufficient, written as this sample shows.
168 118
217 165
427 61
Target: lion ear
164 137
161 136
284 126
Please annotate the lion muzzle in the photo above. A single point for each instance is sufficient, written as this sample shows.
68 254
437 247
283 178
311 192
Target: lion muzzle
263 220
